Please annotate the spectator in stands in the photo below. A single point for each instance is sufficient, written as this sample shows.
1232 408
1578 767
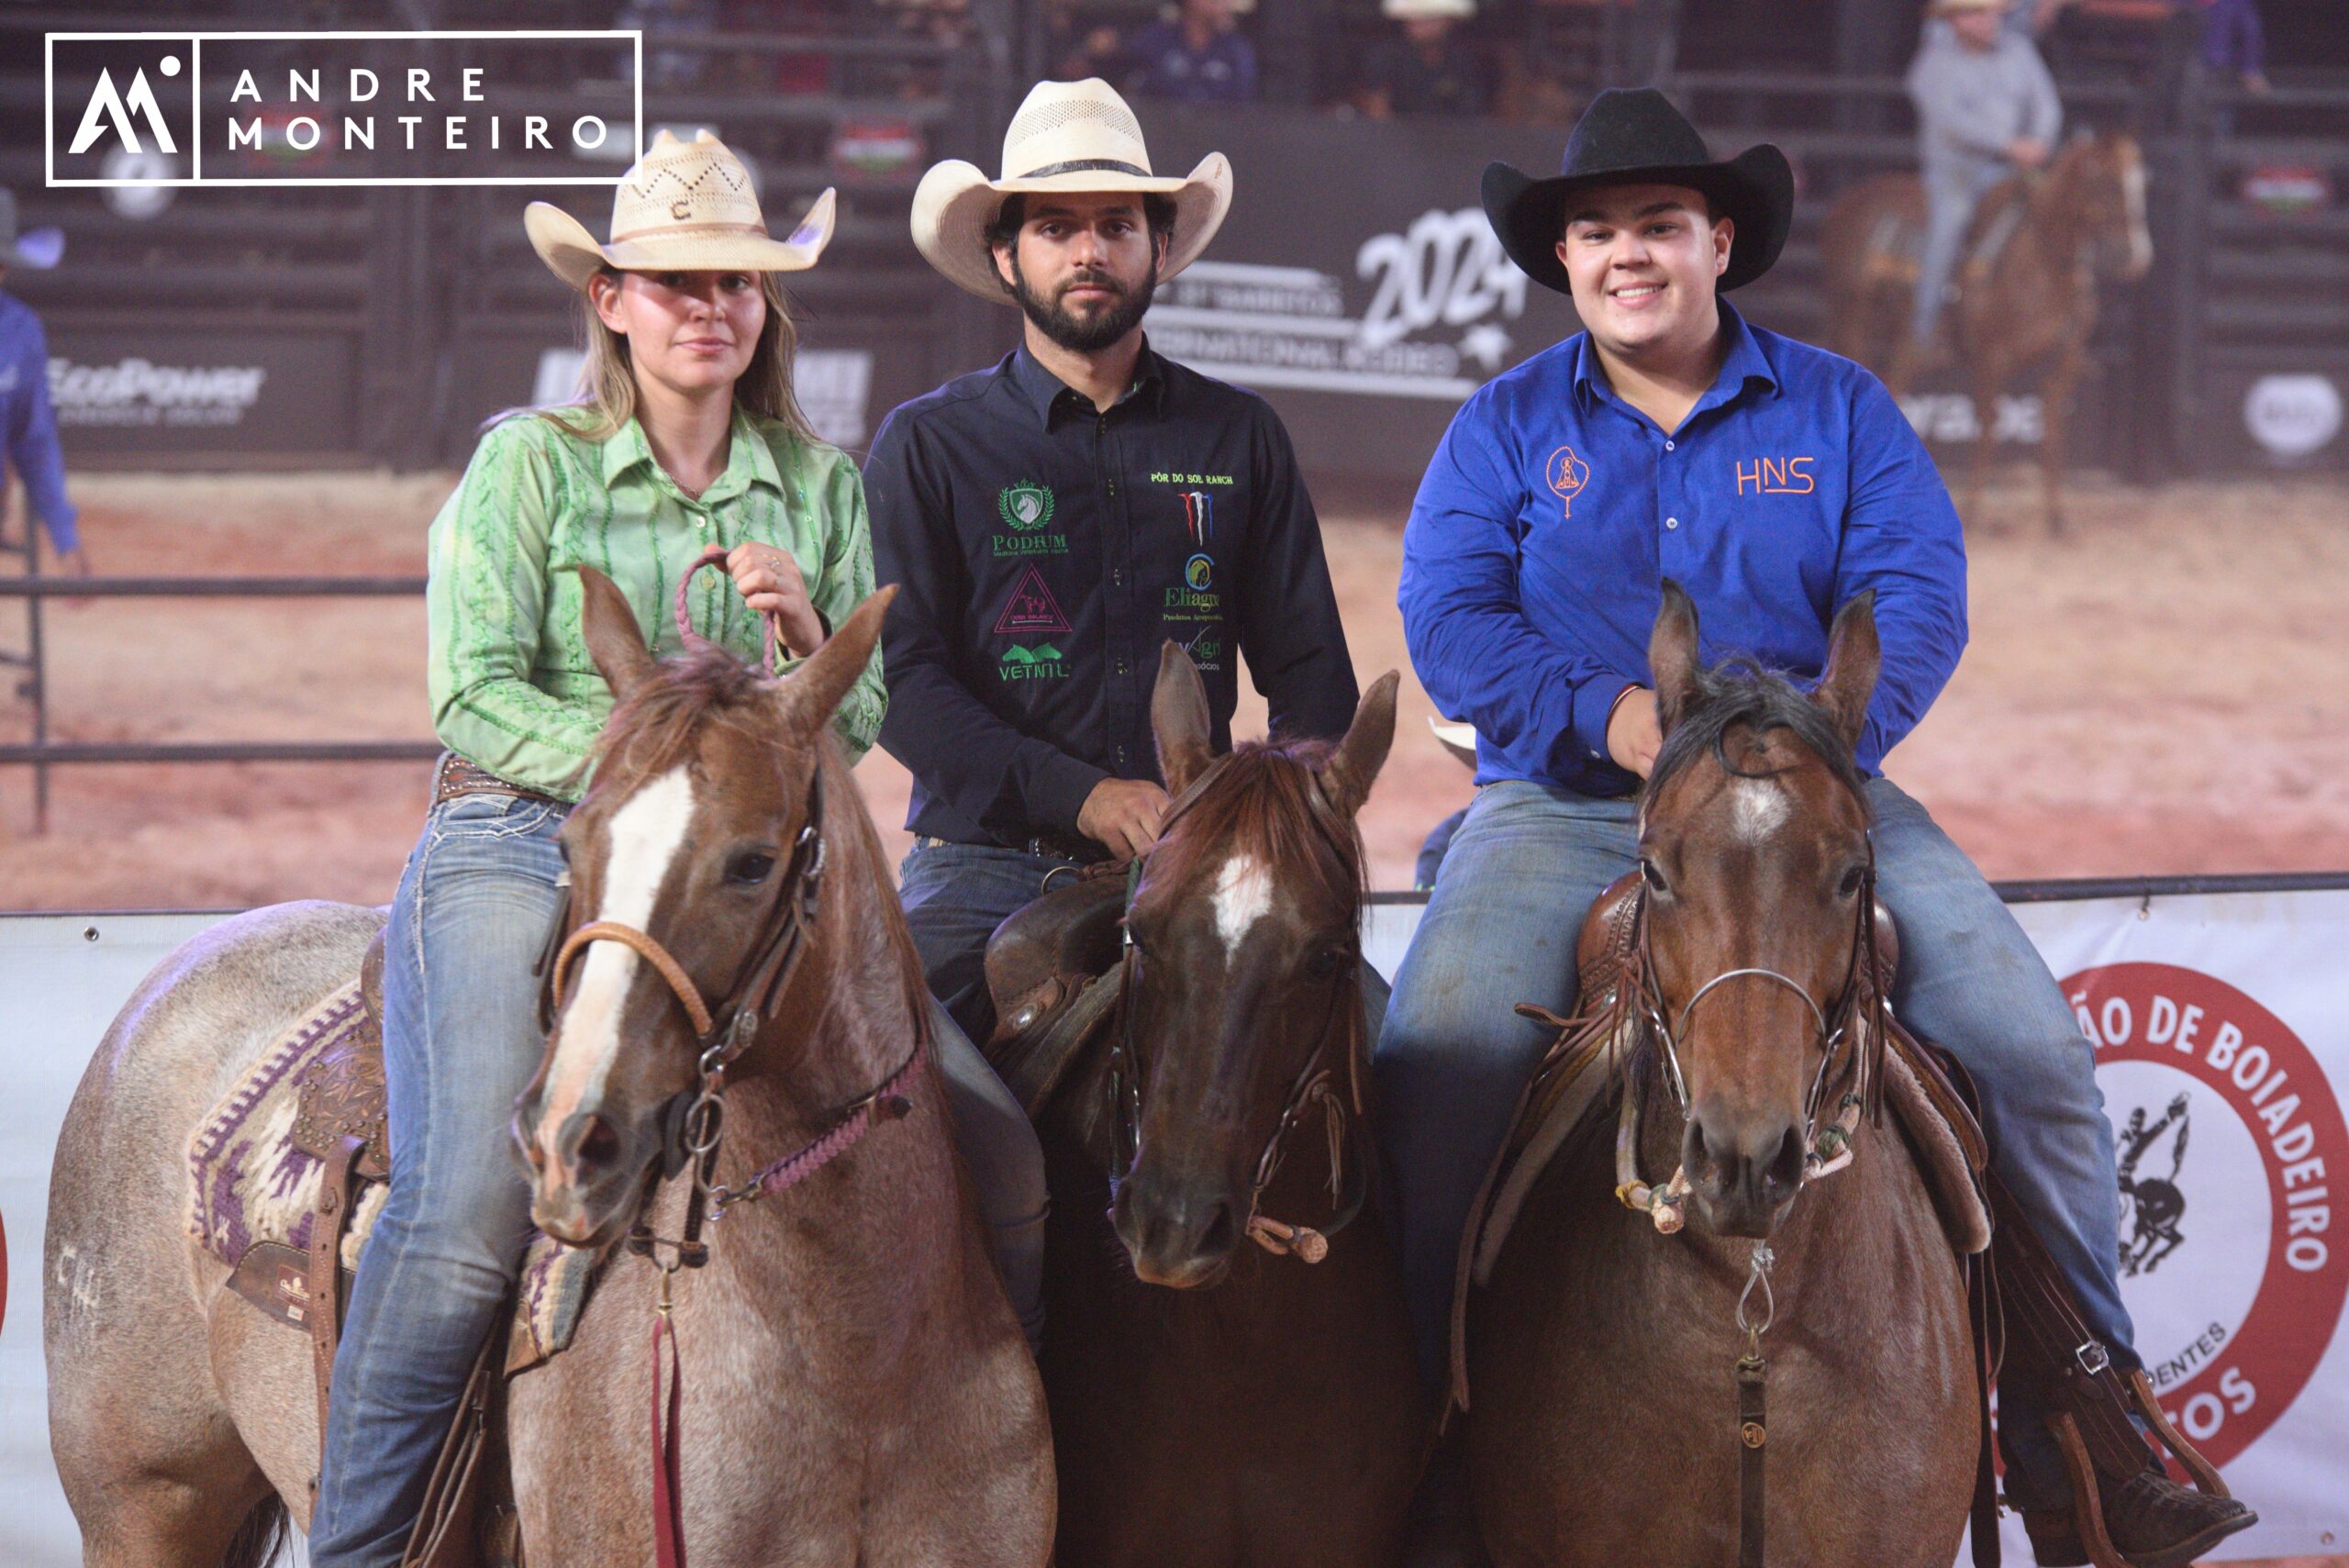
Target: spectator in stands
1424 68
28 424
667 67
2234 42
1985 109
1201 57
1077 46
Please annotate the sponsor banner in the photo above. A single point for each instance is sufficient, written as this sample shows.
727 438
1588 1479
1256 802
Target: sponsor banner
158 393
1365 309
2222 1038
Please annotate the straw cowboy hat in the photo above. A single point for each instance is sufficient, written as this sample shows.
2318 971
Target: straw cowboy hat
39 248
1427 10
1951 7
1067 136
687 207
1636 138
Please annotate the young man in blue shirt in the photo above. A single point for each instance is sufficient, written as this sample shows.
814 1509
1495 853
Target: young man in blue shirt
1773 481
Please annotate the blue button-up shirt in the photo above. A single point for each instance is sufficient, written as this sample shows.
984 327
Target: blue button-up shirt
28 424
1533 560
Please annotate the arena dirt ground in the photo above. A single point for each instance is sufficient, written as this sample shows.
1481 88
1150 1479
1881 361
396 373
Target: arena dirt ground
2162 690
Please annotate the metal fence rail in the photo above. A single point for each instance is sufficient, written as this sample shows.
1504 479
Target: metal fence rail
41 753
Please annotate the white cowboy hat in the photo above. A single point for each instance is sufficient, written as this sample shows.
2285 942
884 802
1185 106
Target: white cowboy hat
1951 7
1068 135
1416 10
687 206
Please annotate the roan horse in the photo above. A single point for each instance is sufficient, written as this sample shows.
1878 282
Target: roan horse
855 1386
2026 284
1604 1425
1265 1410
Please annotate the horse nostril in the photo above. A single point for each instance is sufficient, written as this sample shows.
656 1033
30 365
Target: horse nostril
1697 1159
1218 1238
1785 1168
591 1140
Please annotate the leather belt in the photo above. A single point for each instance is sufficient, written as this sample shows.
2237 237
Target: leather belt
453 776
1047 845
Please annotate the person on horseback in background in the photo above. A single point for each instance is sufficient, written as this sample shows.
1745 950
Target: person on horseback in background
1774 481
1055 518
1985 109
686 436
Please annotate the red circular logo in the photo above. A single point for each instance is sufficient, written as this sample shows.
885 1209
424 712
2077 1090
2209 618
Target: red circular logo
2225 1132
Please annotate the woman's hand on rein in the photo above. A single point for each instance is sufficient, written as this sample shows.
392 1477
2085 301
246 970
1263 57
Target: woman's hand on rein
769 581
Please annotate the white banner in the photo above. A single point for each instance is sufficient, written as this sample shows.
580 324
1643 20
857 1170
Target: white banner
2222 1036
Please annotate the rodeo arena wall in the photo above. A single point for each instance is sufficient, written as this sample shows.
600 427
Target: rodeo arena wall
244 329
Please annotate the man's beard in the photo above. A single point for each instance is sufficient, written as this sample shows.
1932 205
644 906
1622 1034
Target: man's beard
1080 335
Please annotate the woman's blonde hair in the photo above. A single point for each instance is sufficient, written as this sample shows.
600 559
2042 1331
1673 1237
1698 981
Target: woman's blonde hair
606 395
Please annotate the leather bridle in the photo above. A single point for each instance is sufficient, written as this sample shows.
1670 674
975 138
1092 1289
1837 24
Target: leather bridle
1312 1088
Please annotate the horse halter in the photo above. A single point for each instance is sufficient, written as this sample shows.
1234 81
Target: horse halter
1348 1186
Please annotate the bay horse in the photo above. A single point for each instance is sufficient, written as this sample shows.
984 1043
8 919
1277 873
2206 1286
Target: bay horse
2034 302
854 1386
1606 1420
1218 1400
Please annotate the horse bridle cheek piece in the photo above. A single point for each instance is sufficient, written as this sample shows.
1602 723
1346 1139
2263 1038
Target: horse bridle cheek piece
1826 1149
1349 1184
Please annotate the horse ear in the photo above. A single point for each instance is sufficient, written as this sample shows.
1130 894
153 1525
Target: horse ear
1179 717
1672 655
812 693
1852 657
1346 778
614 640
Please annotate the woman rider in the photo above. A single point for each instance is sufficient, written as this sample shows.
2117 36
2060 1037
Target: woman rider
686 436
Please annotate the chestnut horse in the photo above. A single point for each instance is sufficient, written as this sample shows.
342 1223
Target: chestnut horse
1604 1425
855 1387
1216 1399
2033 304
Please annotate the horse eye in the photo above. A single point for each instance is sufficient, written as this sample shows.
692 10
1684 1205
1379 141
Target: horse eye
1325 962
1851 883
750 868
1655 878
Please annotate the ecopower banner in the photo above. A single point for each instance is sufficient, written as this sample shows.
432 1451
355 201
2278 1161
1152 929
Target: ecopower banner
2221 1029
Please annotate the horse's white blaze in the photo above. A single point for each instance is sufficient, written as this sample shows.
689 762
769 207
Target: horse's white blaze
2141 241
1759 809
1243 896
645 835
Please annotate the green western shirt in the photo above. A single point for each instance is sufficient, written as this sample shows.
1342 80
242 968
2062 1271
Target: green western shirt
512 686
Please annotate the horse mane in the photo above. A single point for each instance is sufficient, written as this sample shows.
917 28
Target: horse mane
1263 800
1741 691
655 728
650 729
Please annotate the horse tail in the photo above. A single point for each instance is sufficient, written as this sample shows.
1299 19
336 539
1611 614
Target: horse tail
263 1535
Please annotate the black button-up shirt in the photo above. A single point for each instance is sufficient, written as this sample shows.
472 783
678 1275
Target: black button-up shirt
1045 548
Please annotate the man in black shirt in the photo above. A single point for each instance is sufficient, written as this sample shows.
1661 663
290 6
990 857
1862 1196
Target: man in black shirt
1053 519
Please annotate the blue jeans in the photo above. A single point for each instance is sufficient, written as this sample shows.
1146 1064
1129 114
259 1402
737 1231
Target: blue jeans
460 1042
1952 192
1454 1057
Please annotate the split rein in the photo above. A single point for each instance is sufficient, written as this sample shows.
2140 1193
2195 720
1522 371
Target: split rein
722 1034
1861 1024
1311 1088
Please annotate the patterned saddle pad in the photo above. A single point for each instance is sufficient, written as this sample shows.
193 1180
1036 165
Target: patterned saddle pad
250 1183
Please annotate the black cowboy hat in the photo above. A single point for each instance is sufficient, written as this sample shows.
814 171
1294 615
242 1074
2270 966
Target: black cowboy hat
1636 136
